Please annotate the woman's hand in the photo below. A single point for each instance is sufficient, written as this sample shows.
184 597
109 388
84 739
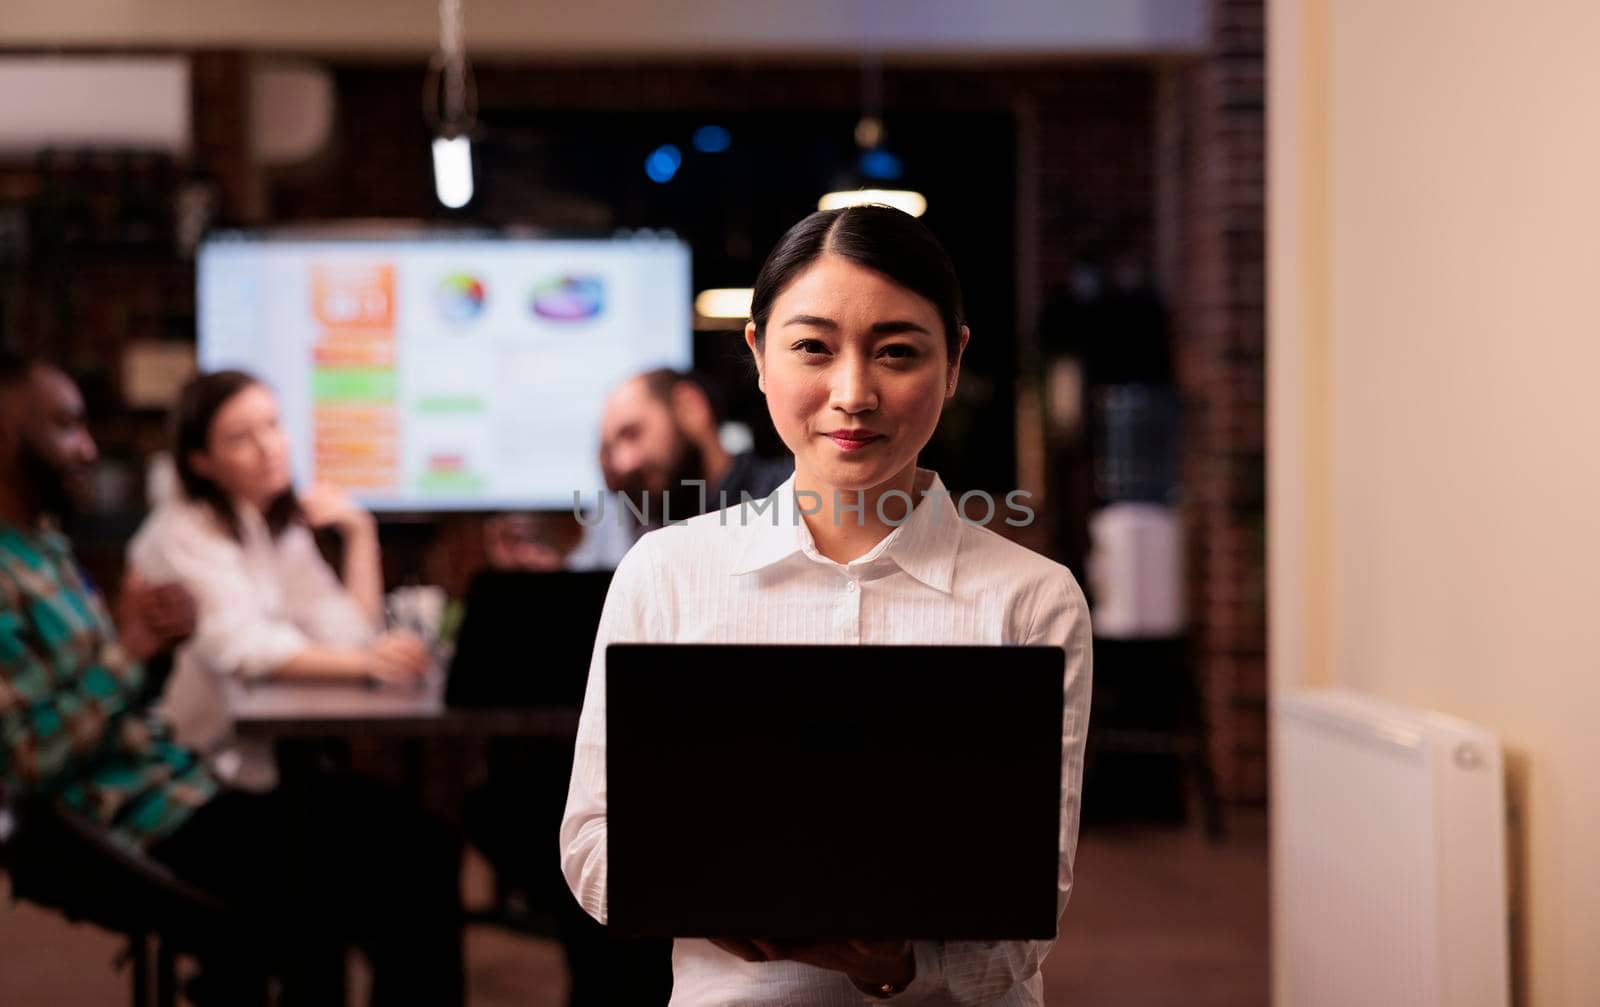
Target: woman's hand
328 506
397 659
869 964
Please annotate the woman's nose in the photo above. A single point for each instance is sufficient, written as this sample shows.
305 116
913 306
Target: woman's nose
854 390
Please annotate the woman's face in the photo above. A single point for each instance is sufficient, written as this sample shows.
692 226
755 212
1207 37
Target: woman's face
856 373
247 454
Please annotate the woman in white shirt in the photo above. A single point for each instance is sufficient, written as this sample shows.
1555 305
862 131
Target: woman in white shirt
240 540
856 331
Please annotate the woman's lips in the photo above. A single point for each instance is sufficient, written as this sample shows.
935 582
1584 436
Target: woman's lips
853 440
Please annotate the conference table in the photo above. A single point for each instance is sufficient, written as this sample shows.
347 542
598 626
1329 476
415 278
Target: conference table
298 719
277 711
301 720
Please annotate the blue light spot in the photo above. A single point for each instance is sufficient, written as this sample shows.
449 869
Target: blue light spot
879 163
663 163
712 139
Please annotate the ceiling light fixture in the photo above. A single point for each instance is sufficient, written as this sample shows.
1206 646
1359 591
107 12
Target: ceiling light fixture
862 184
449 105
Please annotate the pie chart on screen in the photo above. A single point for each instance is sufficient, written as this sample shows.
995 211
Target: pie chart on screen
569 298
460 297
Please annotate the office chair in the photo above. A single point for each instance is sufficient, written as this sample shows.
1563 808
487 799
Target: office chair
61 861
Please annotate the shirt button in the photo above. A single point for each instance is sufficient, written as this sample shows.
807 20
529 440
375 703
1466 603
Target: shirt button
850 585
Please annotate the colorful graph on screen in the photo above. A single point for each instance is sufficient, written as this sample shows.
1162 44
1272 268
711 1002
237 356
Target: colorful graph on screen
354 402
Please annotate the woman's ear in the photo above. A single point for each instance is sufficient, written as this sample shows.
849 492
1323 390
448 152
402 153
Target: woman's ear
755 354
692 409
955 365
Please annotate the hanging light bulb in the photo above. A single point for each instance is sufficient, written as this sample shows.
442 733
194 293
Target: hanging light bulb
452 170
449 106
869 132
875 163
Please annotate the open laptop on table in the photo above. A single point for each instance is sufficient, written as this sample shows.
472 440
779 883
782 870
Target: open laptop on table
794 792
526 638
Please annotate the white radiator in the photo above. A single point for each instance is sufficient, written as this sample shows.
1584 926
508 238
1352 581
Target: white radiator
1389 871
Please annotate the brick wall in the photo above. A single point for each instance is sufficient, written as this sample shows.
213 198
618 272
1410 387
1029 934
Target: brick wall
1096 170
1213 126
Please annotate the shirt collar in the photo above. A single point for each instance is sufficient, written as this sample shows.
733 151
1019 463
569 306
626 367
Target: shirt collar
771 534
924 547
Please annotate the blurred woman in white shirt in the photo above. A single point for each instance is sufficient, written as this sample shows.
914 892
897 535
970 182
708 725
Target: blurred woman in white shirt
856 331
240 540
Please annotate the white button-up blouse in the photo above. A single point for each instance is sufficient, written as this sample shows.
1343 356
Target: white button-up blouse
752 575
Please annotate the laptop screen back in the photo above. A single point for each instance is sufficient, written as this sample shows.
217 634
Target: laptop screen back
833 792
527 639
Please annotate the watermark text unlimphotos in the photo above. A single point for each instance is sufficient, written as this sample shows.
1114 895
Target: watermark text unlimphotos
974 507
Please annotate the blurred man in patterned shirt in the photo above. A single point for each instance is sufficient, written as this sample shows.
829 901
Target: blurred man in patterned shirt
73 729
70 676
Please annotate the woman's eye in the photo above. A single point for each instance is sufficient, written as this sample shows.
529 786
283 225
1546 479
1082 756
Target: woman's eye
810 346
899 351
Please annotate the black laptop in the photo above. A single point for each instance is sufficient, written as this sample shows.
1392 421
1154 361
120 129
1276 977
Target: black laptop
526 638
833 792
